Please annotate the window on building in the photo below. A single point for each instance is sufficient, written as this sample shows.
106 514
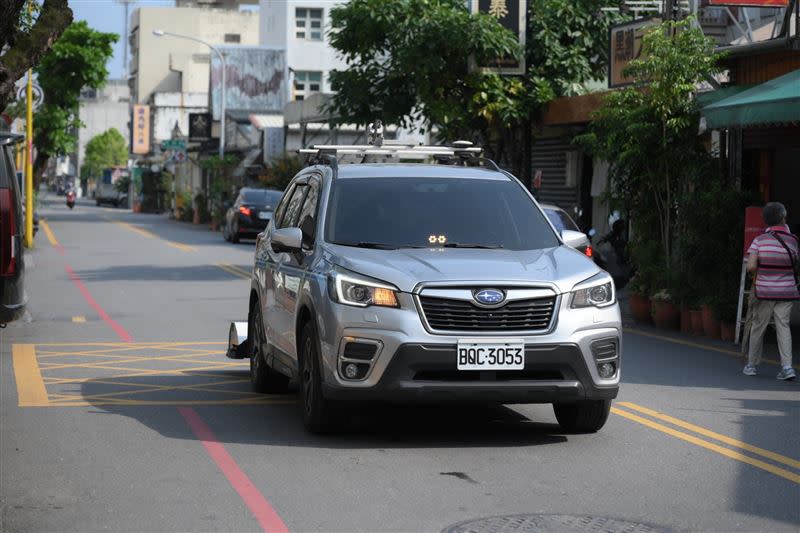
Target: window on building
308 23
306 83
233 38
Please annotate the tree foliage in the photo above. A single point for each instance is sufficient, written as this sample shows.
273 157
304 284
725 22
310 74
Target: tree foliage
76 61
27 32
648 132
409 59
567 45
107 149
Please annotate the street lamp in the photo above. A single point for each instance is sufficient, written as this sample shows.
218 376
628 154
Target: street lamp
161 33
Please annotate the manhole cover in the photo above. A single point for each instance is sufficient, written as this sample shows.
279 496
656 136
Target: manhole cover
552 523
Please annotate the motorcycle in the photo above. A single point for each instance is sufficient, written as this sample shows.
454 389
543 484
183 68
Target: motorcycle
606 256
71 199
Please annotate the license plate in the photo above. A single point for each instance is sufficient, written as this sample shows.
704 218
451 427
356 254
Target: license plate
491 354
264 215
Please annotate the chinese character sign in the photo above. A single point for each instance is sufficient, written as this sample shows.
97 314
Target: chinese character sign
750 3
511 14
625 46
140 130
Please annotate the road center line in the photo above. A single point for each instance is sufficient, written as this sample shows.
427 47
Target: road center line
727 452
230 269
788 461
151 235
266 516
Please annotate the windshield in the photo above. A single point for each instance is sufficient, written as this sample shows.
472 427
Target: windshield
262 196
423 212
561 220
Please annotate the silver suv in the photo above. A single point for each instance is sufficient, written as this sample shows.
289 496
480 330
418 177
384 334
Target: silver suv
428 283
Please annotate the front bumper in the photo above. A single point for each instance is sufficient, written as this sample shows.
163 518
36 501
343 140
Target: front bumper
426 373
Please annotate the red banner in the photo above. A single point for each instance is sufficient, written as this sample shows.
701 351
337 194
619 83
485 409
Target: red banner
753 225
750 3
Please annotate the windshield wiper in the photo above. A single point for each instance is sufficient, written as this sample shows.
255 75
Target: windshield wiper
472 245
378 245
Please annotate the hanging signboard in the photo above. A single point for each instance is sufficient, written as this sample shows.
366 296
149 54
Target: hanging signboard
625 45
753 226
750 3
140 130
199 127
511 14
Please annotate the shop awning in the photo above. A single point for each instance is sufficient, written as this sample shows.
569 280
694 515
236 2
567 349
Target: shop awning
774 102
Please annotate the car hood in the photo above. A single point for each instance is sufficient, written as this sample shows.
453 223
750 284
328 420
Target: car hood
561 266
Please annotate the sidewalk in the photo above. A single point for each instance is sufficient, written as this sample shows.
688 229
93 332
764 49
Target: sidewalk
771 354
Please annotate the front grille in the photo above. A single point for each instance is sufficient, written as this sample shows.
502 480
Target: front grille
446 314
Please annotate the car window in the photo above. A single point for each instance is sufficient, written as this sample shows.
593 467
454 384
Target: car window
435 211
293 206
308 215
282 205
261 196
561 220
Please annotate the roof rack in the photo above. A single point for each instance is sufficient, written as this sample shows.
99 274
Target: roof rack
459 153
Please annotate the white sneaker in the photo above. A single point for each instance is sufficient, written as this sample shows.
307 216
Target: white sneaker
786 374
749 370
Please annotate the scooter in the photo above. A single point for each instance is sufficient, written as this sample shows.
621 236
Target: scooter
71 199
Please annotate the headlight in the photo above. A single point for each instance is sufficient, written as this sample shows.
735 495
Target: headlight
599 295
361 292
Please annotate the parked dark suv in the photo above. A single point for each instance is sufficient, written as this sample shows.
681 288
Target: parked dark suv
12 266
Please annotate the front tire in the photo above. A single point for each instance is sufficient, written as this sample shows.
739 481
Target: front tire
320 415
582 417
263 379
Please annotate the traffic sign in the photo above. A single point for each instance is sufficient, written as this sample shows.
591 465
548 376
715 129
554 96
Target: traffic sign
37 91
174 144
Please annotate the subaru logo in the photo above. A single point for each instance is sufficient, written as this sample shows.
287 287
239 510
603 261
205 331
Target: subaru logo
489 296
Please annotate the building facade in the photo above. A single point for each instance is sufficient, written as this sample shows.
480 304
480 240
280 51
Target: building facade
301 28
172 65
101 110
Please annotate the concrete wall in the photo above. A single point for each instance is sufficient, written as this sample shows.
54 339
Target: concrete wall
171 64
277 26
171 108
108 108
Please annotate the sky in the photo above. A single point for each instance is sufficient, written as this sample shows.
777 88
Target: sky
109 16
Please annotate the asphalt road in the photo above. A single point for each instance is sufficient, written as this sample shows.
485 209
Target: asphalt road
119 412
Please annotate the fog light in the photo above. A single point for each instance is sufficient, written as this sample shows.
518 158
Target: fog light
606 370
351 371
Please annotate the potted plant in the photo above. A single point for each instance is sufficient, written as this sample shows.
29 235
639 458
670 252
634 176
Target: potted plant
639 301
665 313
711 326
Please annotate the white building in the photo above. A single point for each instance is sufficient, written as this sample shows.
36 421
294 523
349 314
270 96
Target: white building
101 110
300 26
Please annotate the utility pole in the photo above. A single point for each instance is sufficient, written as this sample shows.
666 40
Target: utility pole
29 158
126 37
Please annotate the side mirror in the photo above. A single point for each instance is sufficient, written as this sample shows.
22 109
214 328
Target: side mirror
575 239
287 240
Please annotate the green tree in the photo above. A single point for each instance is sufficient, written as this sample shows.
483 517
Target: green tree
107 149
77 60
648 132
410 59
27 31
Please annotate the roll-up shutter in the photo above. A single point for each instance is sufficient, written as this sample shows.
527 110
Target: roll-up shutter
550 156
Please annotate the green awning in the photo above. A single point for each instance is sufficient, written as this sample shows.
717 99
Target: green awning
712 97
774 102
